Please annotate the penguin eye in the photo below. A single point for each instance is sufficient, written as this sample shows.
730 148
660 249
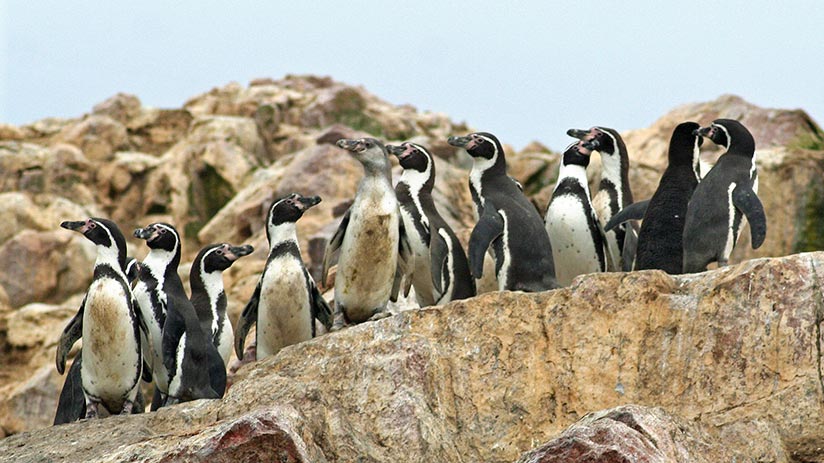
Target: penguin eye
219 252
161 231
93 225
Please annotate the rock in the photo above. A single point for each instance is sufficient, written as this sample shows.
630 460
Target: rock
18 213
61 170
11 132
122 107
32 403
37 324
156 130
486 378
98 136
632 434
45 266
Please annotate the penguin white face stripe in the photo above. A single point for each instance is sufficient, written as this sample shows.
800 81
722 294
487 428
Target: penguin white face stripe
726 132
108 254
213 283
611 167
480 165
416 179
696 159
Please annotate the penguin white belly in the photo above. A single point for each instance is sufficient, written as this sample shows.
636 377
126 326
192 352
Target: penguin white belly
284 316
153 351
226 341
600 203
421 270
573 249
111 353
368 257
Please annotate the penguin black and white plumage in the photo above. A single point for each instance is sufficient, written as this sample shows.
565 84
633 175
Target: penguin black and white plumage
286 301
208 296
71 405
192 365
577 239
370 239
440 271
725 194
109 323
507 221
613 194
660 240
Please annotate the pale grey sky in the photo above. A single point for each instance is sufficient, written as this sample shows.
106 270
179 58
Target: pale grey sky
524 70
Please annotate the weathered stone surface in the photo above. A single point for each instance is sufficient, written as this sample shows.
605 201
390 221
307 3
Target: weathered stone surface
122 107
632 434
36 324
99 136
487 378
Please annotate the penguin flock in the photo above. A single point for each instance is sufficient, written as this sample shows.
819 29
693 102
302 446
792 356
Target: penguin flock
137 322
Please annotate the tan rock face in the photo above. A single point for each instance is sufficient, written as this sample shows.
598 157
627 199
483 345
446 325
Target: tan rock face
489 378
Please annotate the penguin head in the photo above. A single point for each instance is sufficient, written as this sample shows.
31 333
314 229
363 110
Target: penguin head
730 134
290 208
479 145
132 269
369 151
602 139
219 257
411 156
160 236
577 154
102 232
684 143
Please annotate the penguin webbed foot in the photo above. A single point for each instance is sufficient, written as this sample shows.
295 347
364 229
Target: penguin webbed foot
128 405
92 410
339 321
379 314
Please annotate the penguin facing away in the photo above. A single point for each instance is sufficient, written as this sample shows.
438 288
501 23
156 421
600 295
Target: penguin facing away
507 221
613 194
372 245
576 237
193 366
109 323
440 270
725 195
286 301
660 240
208 296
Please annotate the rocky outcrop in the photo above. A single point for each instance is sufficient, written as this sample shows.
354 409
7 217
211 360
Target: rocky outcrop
732 354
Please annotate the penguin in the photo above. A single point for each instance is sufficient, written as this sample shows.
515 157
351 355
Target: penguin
286 301
372 245
507 221
613 194
109 323
191 364
577 239
208 296
71 405
724 195
440 271
660 244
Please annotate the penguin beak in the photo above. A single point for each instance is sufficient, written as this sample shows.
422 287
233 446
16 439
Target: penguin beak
236 252
581 148
350 145
144 233
400 152
306 202
460 142
703 131
578 133
591 144
80 226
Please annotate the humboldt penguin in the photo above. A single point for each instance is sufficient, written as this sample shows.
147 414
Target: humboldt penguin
440 270
722 198
372 245
109 323
577 239
286 301
507 221
660 240
208 296
613 194
189 366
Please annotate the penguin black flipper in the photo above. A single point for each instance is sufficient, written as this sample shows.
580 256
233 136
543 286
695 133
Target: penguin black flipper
489 227
747 201
634 211
333 245
173 330
247 318
317 305
439 262
71 333
71 406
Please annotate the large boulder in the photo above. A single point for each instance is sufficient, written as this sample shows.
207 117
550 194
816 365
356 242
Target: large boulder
487 378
